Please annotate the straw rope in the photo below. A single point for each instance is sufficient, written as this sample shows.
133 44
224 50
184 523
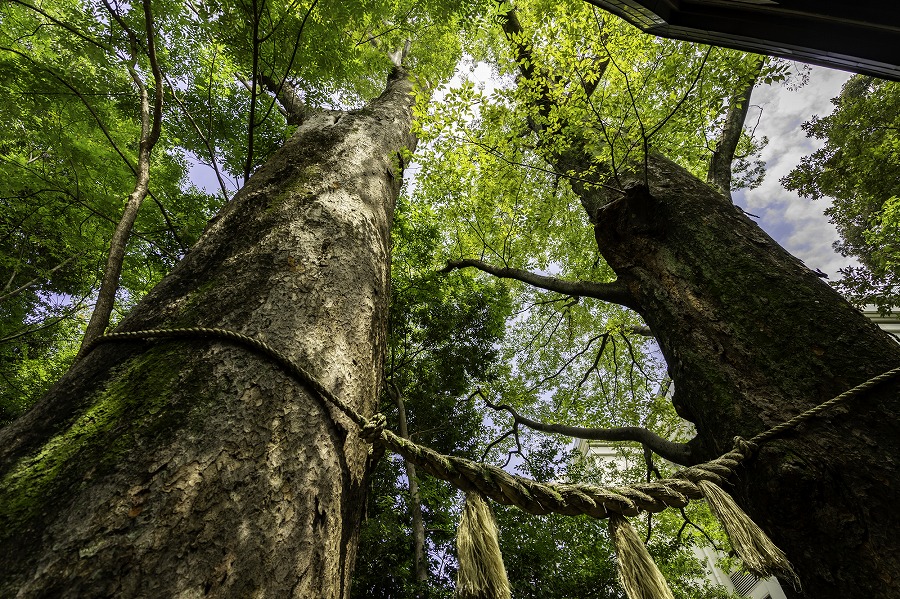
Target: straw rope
491 481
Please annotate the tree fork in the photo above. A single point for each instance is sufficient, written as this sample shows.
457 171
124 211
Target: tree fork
199 469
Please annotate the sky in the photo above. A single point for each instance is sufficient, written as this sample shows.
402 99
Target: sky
798 224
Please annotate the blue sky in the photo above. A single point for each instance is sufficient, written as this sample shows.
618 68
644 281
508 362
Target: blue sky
798 224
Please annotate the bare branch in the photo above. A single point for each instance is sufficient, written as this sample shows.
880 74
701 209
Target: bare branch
35 280
607 292
677 453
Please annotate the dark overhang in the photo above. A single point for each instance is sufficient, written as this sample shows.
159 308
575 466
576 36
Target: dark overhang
860 35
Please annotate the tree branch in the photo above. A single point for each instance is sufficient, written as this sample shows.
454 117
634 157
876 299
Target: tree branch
295 108
251 124
203 138
719 173
35 280
677 453
418 526
151 124
607 292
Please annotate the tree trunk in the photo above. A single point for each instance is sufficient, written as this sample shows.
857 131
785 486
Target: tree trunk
197 468
751 338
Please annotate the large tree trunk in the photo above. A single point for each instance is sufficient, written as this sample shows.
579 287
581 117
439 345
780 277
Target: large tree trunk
751 338
196 468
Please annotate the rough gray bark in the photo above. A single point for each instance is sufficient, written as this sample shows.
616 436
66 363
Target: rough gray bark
751 338
187 469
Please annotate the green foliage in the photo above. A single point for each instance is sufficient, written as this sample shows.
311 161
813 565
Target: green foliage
443 337
485 191
857 167
68 93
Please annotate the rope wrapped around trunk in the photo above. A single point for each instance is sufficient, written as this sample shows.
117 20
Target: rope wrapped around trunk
481 563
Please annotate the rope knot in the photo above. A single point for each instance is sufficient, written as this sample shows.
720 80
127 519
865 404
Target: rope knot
745 447
371 430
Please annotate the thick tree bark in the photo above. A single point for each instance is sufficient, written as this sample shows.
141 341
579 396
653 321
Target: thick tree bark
182 469
751 338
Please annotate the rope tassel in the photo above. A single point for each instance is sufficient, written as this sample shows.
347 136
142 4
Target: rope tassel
760 555
637 571
481 572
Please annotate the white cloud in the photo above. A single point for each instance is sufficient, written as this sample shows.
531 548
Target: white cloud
798 224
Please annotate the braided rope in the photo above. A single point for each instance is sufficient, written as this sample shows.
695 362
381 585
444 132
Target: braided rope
804 416
501 486
281 359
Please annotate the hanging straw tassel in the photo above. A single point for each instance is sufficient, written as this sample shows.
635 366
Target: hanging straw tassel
760 555
637 570
481 572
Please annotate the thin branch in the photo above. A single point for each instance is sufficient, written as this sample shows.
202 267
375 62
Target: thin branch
151 125
719 172
593 367
251 125
678 453
702 531
81 97
50 322
35 280
672 113
498 154
203 138
421 563
65 26
294 107
566 364
607 292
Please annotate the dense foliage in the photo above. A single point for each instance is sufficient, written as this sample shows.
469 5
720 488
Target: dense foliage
71 74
